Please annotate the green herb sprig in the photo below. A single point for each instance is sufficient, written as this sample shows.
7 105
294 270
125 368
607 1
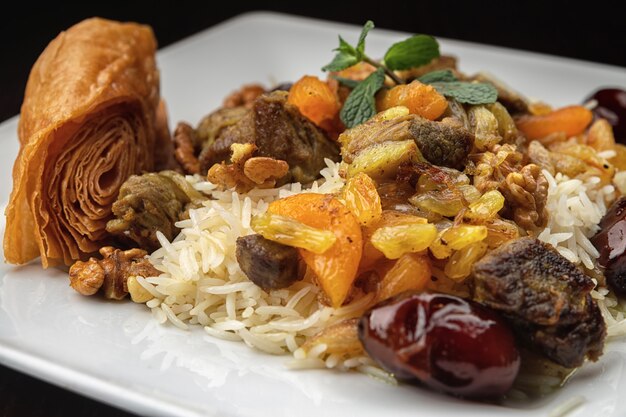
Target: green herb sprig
413 52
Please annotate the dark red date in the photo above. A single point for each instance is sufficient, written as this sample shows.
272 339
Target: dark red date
445 342
610 241
612 107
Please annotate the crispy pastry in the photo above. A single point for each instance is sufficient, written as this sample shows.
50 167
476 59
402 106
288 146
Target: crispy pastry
91 118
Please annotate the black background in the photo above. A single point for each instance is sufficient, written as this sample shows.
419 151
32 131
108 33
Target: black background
594 31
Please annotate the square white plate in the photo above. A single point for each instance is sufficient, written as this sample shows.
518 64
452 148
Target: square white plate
115 353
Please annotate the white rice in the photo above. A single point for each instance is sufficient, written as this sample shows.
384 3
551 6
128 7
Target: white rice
576 207
201 282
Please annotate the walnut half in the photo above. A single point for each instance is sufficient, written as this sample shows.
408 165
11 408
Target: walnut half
110 273
526 193
247 171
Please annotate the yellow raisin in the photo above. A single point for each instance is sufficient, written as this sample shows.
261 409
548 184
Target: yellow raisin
459 265
291 232
395 241
486 207
459 237
362 199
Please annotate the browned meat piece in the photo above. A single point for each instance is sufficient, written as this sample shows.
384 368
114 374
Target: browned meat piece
446 143
268 264
245 96
279 131
149 203
211 126
546 299
110 273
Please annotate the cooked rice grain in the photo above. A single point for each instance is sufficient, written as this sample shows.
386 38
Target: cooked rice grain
201 281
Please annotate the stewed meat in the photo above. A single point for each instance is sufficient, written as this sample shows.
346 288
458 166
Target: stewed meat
149 203
268 264
545 297
446 143
279 131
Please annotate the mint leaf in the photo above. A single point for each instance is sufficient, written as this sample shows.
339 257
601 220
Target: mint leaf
412 52
468 93
445 75
360 104
347 81
345 47
360 46
348 55
340 62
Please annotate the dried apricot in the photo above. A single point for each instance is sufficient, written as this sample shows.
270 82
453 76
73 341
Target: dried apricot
336 268
410 272
421 99
571 120
315 100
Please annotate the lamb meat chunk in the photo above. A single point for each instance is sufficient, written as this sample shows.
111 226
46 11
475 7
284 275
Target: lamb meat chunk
446 143
545 297
149 203
212 125
268 264
279 131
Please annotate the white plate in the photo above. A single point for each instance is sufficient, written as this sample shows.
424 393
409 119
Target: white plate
115 353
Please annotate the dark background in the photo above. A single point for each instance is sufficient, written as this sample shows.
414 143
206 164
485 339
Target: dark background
595 31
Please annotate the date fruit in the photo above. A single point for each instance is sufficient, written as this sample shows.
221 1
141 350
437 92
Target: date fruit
442 341
612 107
610 241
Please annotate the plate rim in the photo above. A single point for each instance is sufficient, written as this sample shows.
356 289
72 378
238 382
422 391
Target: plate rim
115 394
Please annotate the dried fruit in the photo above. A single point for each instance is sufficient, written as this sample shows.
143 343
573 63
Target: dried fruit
315 100
439 247
290 232
459 265
448 203
394 241
506 125
485 128
388 218
420 99
458 237
336 268
600 136
486 207
571 120
447 343
500 231
410 272
382 160
362 199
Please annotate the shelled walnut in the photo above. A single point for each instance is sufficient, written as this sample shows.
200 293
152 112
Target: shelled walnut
526 193
110 273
